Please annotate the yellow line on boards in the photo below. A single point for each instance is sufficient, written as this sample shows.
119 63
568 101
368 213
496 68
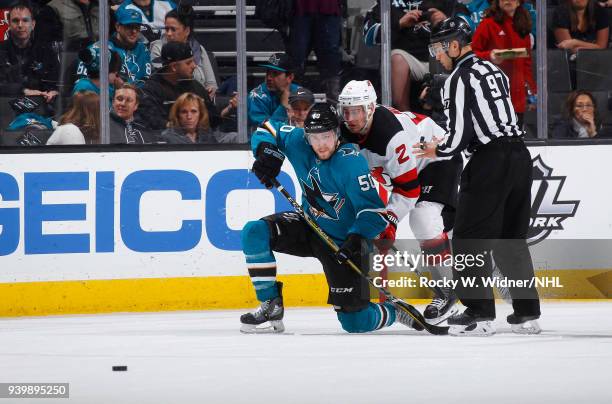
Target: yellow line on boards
226 292
158 294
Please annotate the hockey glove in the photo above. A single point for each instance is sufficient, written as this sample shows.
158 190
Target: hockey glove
385 240
268 162
350 249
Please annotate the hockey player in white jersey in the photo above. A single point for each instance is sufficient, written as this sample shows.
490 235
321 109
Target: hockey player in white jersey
424 190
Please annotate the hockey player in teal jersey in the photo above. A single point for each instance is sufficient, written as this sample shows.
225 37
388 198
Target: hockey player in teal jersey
339 194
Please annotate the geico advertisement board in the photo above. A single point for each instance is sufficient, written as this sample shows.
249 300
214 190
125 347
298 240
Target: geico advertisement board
130 215
176 214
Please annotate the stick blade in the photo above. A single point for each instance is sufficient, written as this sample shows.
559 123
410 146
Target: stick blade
415 314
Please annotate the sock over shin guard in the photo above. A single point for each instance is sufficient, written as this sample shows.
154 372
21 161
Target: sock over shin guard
373 317
259 258
437 251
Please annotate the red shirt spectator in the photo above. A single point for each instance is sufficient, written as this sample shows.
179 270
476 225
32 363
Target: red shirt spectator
493 35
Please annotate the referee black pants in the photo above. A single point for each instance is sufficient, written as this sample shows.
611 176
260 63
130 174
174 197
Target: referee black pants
493 212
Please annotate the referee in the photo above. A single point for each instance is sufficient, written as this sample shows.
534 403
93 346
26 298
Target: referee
495 194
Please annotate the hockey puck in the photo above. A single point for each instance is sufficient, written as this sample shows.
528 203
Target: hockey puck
119 368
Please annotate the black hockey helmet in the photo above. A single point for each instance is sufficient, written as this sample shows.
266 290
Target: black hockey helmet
453 28
321 118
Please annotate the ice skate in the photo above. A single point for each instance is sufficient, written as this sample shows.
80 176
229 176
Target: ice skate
404 318
469 324
268 318
440 309
524 324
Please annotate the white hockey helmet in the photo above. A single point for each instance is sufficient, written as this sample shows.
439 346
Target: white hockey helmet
358 93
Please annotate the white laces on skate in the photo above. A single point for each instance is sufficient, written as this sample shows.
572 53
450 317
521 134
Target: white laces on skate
261 310
438 302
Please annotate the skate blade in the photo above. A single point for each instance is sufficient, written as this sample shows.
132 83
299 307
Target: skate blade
530 327
479 329
269 327
451 312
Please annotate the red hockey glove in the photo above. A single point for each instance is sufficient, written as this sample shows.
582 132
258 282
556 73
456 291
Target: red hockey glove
386 238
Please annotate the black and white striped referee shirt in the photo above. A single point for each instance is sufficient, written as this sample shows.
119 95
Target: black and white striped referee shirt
477 106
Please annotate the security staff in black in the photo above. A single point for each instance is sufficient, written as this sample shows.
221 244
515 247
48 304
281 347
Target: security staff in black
494 202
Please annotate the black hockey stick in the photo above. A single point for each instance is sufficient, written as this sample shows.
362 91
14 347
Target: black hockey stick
402 305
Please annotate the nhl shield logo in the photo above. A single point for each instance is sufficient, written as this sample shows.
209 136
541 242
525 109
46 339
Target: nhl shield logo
547 211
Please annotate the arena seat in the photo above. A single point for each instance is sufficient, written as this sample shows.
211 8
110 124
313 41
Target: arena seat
604 105
558 71
594 69
17 138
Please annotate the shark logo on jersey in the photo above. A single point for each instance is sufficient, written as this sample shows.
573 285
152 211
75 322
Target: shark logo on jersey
321 203
547 212
348 152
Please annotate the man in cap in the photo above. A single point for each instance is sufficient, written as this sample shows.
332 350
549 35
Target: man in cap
272 96
153 14
301 100
174 78
90 57
135 57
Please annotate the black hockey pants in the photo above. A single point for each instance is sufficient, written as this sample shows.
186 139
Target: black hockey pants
492 217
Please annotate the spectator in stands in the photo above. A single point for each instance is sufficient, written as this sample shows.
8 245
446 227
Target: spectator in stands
580 118
28 62
227 131
580 24
90 56
124 128
173 79
81 123
5 6
410 30
153 13
135 56
507 25
317 24
300 101
179 28
73 22
272 96
476 12
188 122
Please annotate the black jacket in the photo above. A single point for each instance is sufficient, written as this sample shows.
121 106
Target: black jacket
35 67
134 132
564 129
159 96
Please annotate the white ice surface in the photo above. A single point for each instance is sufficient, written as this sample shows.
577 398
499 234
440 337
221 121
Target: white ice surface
200 357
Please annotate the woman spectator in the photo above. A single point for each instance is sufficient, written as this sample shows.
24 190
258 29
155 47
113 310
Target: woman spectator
188 122
179 28
507 25
580 118
81 123
580 24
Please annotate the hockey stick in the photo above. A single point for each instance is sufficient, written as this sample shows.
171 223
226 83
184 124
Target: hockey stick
400 304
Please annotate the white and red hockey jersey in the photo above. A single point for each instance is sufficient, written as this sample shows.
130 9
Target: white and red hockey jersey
388 149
